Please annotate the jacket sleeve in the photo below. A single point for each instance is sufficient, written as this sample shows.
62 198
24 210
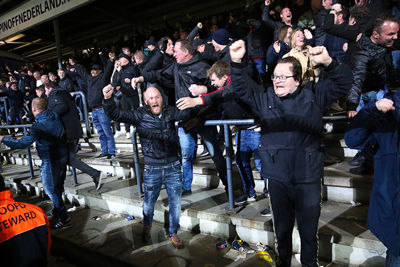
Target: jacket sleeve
108 71
360 61
244 88
348 32
193 33
21 143
166 73
336 85
362 126
274 25
272 56
116 114
81 71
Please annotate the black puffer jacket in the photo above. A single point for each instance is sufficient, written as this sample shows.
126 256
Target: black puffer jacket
128 71
370 65
66 84
192 72
158 136
61 102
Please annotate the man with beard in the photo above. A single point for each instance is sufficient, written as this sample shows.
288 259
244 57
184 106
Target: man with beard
160 145
189 69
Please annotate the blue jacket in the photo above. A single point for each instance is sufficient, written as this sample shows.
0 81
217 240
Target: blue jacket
48 132
384 206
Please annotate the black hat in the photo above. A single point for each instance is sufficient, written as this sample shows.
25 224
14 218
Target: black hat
150 42
221 37
197 42
96 67
124 56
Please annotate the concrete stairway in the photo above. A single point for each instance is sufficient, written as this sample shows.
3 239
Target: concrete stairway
343 235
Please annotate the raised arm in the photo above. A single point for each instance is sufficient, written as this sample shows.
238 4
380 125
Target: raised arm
115 113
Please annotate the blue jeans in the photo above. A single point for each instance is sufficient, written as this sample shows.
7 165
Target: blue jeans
171 176
53 187
247 142
187 140
392 260
103 126
364 100
371 96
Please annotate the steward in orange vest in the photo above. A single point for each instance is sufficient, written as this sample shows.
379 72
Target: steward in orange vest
24 232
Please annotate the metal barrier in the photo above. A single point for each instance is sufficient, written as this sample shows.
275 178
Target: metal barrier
25 127
4 99
228 143
136 162
28 150
85 112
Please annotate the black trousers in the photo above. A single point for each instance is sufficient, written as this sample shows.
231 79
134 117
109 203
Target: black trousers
301 202
75 162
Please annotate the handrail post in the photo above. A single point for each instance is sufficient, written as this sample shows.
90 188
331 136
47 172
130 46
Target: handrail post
29 156
73 172
136 162
85 113
227 135
4 99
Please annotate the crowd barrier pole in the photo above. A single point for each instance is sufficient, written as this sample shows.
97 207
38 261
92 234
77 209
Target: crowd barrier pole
85 113
4 99
136 162
24 126
227 135
228 144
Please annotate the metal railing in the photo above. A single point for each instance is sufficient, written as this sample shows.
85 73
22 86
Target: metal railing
28 149
4 99
227 138
228 144
85 112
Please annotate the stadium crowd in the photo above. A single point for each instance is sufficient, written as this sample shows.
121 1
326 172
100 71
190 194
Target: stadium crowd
284 64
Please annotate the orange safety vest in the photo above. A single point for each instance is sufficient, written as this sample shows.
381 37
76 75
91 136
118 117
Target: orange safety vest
17 218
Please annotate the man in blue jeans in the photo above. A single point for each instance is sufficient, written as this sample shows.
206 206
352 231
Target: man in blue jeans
96 81
48 133
155 125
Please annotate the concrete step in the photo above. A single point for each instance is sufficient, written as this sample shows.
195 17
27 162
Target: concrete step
338 185
343 235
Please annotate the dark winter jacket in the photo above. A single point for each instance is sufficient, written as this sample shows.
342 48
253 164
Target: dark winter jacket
48 132
61 102
15 98
155 61
273 57
224 98
66 84
192 72
291 126
384 205
95 84
371 66
158 136
128 71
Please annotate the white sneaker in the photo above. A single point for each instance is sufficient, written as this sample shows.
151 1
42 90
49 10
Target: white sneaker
252 198
117 133
128 135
